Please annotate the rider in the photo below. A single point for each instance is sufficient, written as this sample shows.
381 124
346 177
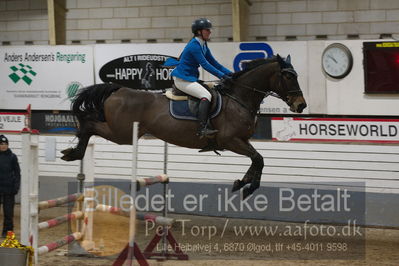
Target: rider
186 74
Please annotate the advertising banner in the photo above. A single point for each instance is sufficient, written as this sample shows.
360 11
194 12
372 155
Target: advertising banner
13 122
54 123
44 76
335 129
139 66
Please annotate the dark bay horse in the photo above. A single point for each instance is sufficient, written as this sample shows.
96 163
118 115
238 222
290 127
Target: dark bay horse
109 110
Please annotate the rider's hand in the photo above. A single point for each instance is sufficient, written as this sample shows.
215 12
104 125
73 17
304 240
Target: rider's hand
227 79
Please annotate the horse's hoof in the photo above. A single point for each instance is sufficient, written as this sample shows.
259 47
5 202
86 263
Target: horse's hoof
66 158
71 154
69 158
246 192
237 185
67 151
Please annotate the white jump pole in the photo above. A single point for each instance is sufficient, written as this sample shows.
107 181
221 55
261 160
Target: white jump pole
132 220
89 200
30 189
165 191
25 176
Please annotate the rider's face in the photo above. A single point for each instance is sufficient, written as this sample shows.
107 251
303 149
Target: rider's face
206 34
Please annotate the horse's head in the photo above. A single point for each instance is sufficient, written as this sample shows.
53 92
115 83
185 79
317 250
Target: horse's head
266 76
287 86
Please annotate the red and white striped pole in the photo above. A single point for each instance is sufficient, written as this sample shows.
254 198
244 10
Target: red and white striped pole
59 243
60 220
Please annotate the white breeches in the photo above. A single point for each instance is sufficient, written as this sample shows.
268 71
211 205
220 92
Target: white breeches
193 88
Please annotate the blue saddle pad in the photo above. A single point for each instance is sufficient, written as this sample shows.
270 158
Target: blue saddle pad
180 109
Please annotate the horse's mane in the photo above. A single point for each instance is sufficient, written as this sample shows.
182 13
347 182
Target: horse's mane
249 65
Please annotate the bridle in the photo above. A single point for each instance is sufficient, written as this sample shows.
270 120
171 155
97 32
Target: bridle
296 92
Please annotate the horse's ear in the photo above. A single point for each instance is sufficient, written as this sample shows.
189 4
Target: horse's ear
288 59
280 60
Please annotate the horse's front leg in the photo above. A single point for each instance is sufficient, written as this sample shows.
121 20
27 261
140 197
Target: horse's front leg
238 184
257 165
254 173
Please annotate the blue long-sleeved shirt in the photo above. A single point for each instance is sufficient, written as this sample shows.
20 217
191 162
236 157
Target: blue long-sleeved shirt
193 56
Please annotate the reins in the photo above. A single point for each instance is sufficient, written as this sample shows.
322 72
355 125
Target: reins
265 93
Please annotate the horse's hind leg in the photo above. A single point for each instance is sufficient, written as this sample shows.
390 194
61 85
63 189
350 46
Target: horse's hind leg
89 129
254 173
77 153
85 132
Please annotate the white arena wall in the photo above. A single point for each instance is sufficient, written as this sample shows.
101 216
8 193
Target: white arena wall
285 162
366 168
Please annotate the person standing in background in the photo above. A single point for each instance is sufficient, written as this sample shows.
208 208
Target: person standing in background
10 180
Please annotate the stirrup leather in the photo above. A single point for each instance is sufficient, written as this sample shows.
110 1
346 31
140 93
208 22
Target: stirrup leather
206 132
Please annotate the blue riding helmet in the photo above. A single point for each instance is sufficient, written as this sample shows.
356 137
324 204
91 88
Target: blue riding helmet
200 24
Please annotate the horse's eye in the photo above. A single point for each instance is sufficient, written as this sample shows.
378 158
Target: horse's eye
288 76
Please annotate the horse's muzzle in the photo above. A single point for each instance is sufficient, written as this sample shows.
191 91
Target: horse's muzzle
301 107
298 105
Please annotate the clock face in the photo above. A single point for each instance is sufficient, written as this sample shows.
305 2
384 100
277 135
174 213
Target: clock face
337 60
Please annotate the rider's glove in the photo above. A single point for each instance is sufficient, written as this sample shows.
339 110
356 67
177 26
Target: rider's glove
227 79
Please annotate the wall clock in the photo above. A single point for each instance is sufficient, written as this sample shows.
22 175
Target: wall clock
337 60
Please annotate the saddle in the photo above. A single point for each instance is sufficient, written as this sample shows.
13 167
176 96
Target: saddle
184 106
177 95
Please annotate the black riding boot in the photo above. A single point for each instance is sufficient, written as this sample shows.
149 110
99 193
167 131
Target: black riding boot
203 112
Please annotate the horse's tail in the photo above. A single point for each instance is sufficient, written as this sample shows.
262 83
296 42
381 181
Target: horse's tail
89 102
